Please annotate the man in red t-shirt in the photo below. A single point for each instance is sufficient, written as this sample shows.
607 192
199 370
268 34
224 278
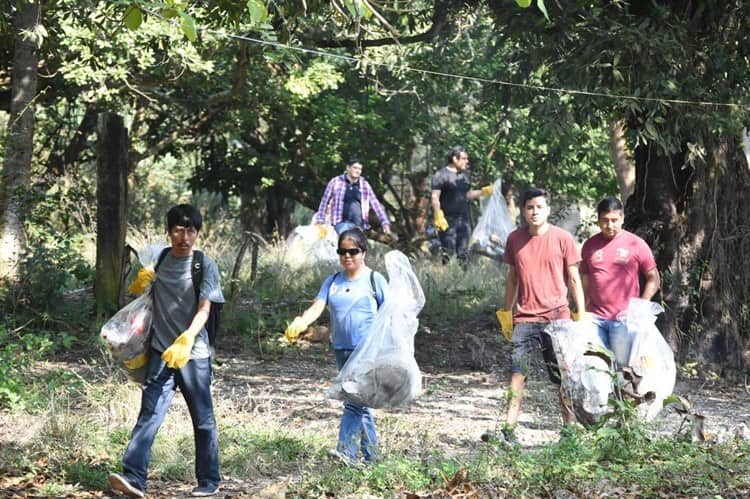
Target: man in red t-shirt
543 265
613 262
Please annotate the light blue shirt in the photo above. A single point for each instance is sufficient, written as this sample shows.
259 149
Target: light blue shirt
352 305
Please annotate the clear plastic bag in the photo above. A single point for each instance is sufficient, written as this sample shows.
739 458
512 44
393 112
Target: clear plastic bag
382 371
587 376
127 332
494 225
312 244
651 358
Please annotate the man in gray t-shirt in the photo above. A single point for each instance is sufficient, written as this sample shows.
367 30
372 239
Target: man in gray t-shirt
179 357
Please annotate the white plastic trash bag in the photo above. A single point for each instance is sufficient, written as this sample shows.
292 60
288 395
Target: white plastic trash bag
494 225
127 332
651 358
587 376
382 371
312 244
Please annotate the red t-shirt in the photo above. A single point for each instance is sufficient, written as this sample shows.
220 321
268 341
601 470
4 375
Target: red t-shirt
541 264
613 267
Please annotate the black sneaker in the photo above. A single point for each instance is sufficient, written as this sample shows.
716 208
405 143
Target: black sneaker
205 490
505 435
121 484
509 435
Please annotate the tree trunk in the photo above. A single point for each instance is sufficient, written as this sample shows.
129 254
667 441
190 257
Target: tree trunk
20 141
278 212
700 248
111 214
624 168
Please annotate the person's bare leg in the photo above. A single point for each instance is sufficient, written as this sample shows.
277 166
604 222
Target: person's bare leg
567 413
517 382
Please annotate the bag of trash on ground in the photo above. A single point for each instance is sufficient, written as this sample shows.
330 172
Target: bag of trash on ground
494 225
382 371
651 358
585 368
127 332
311 244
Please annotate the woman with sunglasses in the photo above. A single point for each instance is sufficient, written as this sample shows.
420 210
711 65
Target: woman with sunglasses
353 296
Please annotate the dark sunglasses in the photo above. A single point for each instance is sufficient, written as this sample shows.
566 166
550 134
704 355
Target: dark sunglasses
350 251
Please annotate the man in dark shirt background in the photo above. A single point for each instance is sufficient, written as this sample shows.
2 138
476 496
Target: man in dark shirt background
451 193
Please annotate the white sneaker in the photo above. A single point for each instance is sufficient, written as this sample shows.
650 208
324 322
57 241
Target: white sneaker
352 463
121 484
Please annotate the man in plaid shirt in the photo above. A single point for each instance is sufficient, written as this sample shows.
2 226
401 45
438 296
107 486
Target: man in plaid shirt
347 200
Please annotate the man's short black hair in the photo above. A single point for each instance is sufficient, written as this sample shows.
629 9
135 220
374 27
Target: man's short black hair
353 161
184 215
456 151
608 204
534 192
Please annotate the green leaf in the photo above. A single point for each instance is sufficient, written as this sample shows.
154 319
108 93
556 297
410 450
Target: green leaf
188 26
133 18
357 9
523 3
541 7
258 11
169 13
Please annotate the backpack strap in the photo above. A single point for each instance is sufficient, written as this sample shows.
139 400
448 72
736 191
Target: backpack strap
328 293
162 256
196 270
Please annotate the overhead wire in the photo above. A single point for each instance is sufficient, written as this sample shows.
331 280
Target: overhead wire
489 81
528 86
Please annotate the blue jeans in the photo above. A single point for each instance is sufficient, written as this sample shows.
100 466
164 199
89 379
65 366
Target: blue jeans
343 226
616 337
194 381
455 239
357 430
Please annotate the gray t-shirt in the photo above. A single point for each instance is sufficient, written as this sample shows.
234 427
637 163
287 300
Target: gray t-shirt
175 305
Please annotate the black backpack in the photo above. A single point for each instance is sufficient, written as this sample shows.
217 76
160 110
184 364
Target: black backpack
214 314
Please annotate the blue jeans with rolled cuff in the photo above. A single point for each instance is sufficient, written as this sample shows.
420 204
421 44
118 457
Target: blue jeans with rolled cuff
158 389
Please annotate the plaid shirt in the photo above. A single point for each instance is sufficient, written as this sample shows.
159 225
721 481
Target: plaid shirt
331 208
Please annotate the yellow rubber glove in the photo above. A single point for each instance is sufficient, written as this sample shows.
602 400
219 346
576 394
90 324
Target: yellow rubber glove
487 190
441 223
294 329
178 353
582 316
144 278
322 232
505 317
136 362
